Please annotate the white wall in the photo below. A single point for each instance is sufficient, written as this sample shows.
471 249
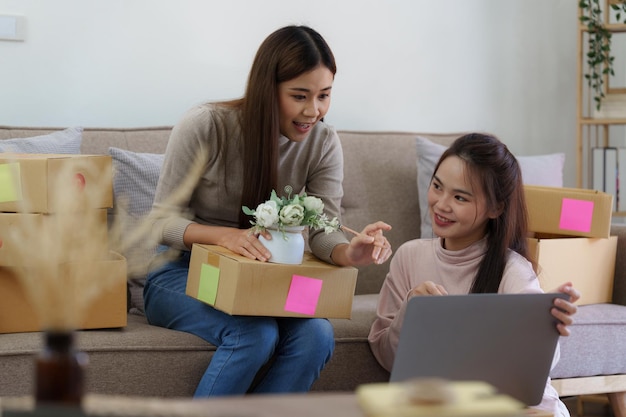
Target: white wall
503 66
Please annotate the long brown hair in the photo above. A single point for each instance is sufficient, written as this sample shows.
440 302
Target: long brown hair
494 168
284 55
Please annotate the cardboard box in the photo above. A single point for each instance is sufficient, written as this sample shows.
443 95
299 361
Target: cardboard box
239 286
34 183
569 211
589 263
21 234
109 310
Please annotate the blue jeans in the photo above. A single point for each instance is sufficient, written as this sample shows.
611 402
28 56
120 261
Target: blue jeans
294 349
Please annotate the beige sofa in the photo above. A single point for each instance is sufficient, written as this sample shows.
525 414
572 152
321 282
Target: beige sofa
380 167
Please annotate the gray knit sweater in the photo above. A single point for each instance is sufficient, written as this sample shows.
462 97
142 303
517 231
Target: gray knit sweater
314 165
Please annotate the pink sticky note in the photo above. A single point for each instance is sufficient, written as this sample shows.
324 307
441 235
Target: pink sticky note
576 215
303 295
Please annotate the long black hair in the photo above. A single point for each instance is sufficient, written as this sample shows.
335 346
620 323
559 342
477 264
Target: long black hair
284 55
495 169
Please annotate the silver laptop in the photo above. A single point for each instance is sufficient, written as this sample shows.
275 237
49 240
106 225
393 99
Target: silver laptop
506 340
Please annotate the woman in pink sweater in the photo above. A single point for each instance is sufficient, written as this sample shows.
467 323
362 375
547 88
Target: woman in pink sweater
476 202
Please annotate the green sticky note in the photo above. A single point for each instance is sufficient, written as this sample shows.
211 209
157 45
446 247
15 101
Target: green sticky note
10 186
209 278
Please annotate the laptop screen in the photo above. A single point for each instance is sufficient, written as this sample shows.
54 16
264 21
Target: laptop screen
506 340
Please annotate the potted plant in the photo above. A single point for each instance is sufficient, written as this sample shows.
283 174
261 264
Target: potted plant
285 218
599 57
283 212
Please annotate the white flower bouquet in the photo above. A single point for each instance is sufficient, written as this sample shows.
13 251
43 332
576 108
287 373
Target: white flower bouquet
299 210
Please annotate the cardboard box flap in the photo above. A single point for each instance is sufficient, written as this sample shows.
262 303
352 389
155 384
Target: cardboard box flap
589 263
568 211
92 175
35 182
9 156
107 306
308 258
20 233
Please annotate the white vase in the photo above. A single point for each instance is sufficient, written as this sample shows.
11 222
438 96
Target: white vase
286 248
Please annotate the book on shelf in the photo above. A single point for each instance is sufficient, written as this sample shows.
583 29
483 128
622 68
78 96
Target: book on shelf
621 179
606 173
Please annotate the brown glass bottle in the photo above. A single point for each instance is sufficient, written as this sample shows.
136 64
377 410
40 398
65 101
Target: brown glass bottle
59 369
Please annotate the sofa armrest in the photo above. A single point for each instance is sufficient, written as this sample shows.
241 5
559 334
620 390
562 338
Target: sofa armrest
619 282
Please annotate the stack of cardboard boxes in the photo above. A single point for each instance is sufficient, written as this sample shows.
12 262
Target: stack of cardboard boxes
570 240
38 232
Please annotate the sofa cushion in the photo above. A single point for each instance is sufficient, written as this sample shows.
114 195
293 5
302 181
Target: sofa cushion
63 142
596 345
134 360
544 170
135 177
353 362
379 184
150 361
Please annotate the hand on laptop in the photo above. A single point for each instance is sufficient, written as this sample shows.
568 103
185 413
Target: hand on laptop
428 288
564 310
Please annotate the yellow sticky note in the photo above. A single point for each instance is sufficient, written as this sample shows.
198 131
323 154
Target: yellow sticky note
209 278
10 182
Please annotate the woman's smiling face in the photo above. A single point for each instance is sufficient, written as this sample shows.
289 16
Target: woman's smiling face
457 206
304 101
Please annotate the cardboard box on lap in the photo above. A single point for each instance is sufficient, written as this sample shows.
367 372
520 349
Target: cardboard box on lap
33 183
108 309
589 263
239 286
569 211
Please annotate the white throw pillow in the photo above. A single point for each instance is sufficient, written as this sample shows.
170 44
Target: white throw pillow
63 142
544 170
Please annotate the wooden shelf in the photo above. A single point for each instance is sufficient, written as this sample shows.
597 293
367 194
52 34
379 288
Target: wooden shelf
593 121
593 131
611 27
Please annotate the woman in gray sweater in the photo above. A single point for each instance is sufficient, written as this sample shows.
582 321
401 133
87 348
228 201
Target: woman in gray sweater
271 138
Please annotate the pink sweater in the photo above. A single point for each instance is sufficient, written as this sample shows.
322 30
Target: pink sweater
423 260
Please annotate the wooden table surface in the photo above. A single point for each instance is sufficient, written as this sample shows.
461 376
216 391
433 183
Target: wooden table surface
336 404
300 405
